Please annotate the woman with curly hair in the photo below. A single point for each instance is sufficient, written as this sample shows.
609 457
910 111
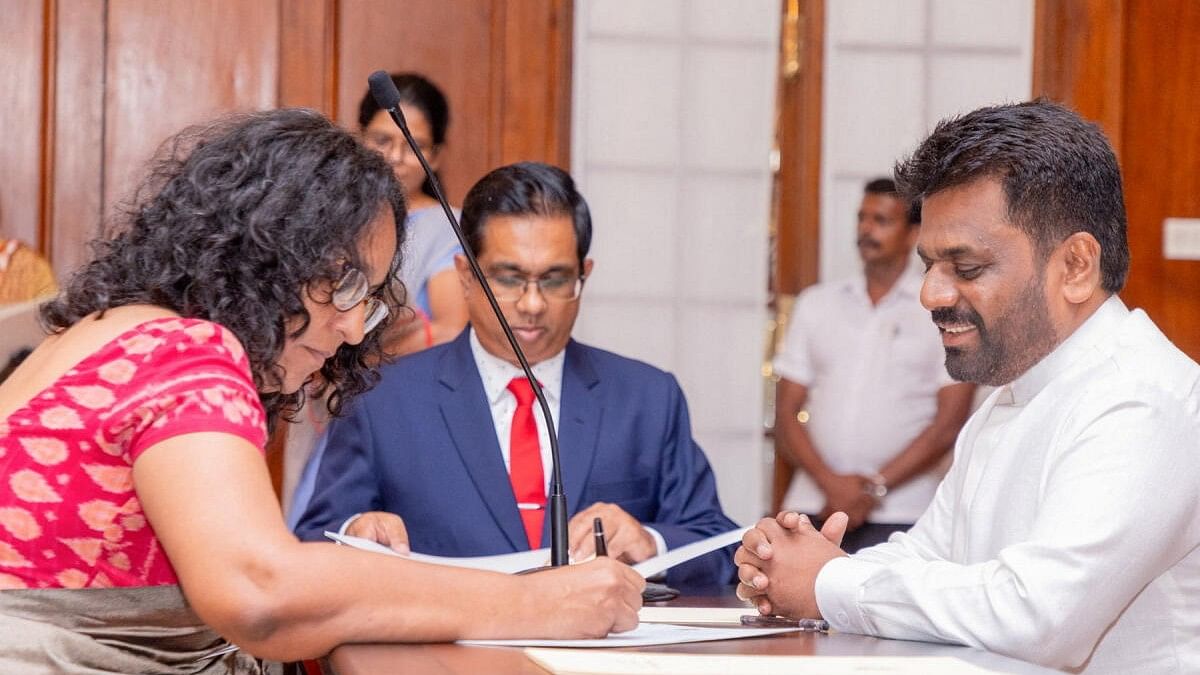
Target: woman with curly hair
138 527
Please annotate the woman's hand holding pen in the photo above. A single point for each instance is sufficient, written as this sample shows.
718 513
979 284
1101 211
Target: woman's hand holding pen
591 599
627 540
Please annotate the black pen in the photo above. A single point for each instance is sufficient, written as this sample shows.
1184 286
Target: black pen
598 535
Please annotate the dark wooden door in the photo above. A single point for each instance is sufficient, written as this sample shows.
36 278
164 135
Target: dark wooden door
1134 68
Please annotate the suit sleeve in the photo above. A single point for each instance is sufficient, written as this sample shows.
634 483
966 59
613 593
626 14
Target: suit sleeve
688 506
345 483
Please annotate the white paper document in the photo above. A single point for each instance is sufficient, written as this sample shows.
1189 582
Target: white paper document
646 634
661 563
717 616
508 563
573 662
511 563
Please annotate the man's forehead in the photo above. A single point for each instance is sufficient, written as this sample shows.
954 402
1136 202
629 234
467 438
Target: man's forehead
528 236
965 219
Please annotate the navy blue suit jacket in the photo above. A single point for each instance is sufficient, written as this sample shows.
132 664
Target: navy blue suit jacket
422 445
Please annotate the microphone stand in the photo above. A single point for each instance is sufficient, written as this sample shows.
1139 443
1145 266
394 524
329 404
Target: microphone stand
388 97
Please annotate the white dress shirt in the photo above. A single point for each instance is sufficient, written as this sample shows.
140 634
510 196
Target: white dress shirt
1066 532
873 373
496 373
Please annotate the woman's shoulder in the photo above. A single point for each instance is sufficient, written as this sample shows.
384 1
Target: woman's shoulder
148 333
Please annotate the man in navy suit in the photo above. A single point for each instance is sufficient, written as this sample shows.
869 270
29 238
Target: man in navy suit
416 460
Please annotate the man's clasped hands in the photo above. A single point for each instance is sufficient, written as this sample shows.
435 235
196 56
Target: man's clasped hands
779 560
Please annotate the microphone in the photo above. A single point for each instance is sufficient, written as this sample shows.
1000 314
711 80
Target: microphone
384 91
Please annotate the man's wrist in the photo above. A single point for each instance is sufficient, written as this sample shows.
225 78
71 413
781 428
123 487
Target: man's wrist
876 486
660 544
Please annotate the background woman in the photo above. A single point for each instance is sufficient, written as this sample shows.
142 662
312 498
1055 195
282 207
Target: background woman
131 440
428 268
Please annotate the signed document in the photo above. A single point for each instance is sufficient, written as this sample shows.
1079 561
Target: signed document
511 563
646 634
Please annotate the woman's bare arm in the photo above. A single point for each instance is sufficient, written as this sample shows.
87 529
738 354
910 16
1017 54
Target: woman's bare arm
209 498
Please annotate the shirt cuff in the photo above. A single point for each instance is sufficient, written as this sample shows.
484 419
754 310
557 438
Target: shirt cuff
660 544
346 524
838 587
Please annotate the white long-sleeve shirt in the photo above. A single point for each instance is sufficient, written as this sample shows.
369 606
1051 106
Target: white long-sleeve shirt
1066 532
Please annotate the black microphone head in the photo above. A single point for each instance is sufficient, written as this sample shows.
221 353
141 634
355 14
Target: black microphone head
383 90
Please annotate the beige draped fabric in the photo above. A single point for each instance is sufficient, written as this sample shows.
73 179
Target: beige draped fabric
112 630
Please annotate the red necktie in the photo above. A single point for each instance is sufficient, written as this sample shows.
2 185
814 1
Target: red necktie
525 462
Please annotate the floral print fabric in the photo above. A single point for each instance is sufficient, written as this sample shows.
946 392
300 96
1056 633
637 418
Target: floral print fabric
69 515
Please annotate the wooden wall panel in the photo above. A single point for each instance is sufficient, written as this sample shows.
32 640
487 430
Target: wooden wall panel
308 54
78 153
449 42
798 138
176 62
1078 58
22 32
1161 159
535 57
1134 67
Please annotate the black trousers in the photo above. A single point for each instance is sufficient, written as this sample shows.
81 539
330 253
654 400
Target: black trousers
868 534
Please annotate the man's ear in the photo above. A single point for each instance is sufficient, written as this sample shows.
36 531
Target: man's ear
464 271
587 267
1081 278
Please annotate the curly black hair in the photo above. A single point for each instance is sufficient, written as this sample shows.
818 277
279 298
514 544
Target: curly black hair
233 222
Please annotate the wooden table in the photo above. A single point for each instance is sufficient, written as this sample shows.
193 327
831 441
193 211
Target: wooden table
453 659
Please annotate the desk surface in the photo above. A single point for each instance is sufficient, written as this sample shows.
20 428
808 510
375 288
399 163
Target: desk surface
453 659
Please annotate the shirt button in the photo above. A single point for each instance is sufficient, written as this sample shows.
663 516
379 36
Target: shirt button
843 618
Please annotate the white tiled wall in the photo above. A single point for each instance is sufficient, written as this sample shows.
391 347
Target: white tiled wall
673 121
893 69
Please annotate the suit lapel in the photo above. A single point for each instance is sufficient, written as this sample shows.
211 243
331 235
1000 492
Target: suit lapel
468 418
578 430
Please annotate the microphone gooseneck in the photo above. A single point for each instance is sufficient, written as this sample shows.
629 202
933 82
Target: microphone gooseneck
384 91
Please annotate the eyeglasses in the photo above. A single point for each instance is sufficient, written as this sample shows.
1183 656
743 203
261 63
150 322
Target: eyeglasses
352 289
512 287
383 143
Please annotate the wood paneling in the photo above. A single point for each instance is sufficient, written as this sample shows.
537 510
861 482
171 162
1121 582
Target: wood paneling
1078 54
535 109
78 155
94 86
22 32
505 67
797 231
798 134
1134 67
176 62
308 55
1161 159
451 43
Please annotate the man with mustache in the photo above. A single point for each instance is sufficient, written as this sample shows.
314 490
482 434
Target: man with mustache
449 453
1065 532
864 407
